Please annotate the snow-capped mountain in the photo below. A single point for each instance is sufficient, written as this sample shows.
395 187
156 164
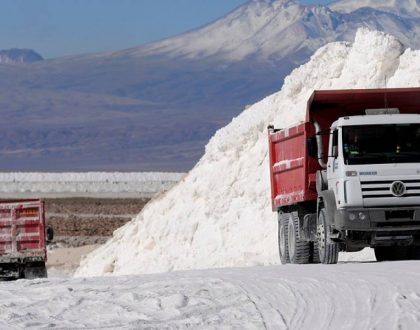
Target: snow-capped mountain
405 8
270 30
154 107
16 56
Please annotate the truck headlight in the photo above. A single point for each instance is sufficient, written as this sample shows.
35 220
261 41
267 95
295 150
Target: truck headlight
352 216
362 216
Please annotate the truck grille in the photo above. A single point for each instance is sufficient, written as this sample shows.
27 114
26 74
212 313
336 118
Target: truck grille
382 189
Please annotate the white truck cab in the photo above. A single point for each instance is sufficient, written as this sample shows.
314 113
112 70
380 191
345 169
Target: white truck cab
373 169
374 160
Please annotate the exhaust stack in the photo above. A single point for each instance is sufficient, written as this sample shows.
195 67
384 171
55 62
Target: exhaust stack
319 145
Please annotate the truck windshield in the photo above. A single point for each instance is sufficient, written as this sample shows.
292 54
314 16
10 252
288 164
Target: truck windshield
381 144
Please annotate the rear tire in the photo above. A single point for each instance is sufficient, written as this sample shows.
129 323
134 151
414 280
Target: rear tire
299 251
392 253
35 270
283 238
328 251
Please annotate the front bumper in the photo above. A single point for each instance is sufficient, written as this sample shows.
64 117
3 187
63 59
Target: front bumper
378 219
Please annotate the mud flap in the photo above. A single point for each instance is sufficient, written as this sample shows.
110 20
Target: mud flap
327 199
307 227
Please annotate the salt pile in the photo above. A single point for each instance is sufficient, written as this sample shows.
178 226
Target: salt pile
220 214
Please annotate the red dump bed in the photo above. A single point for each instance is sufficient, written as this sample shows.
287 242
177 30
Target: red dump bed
22 231
293 172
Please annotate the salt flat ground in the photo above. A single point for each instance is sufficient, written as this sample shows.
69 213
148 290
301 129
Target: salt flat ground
365 295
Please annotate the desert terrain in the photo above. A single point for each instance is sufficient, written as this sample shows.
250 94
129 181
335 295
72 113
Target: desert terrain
82 224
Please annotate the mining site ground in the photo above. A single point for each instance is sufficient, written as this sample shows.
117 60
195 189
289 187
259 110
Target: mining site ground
81 225
85 221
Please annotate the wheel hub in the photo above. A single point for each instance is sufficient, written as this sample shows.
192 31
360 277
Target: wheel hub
321 236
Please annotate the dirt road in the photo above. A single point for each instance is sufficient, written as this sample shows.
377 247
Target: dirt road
84 221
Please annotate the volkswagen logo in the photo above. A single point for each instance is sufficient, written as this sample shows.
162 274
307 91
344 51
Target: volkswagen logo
398 188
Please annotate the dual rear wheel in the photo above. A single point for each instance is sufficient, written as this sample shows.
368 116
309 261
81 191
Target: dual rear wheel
34 270
291 248
294 250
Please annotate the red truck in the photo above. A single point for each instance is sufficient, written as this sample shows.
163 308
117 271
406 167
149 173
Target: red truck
23 237
348 177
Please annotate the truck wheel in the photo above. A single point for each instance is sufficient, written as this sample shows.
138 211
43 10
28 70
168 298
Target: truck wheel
392 253
299 251
282 239
314 259
328 251
35 270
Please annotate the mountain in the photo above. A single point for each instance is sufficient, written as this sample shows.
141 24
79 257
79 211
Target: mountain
155 107
271 31
16 56
404 8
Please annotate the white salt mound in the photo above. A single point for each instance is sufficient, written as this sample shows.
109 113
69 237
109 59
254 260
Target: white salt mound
220 214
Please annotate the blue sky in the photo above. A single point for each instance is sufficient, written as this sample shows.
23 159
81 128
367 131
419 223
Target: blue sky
66 27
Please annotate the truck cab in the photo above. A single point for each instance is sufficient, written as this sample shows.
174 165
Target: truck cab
373 170
368 153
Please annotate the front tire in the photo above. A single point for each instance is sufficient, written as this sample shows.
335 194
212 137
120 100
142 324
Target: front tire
283 238
299 251
328 251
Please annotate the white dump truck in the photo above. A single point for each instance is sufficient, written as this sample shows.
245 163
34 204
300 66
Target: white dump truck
348 177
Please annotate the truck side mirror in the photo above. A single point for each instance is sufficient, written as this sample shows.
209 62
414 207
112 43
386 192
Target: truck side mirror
312 147
50 234
334 141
